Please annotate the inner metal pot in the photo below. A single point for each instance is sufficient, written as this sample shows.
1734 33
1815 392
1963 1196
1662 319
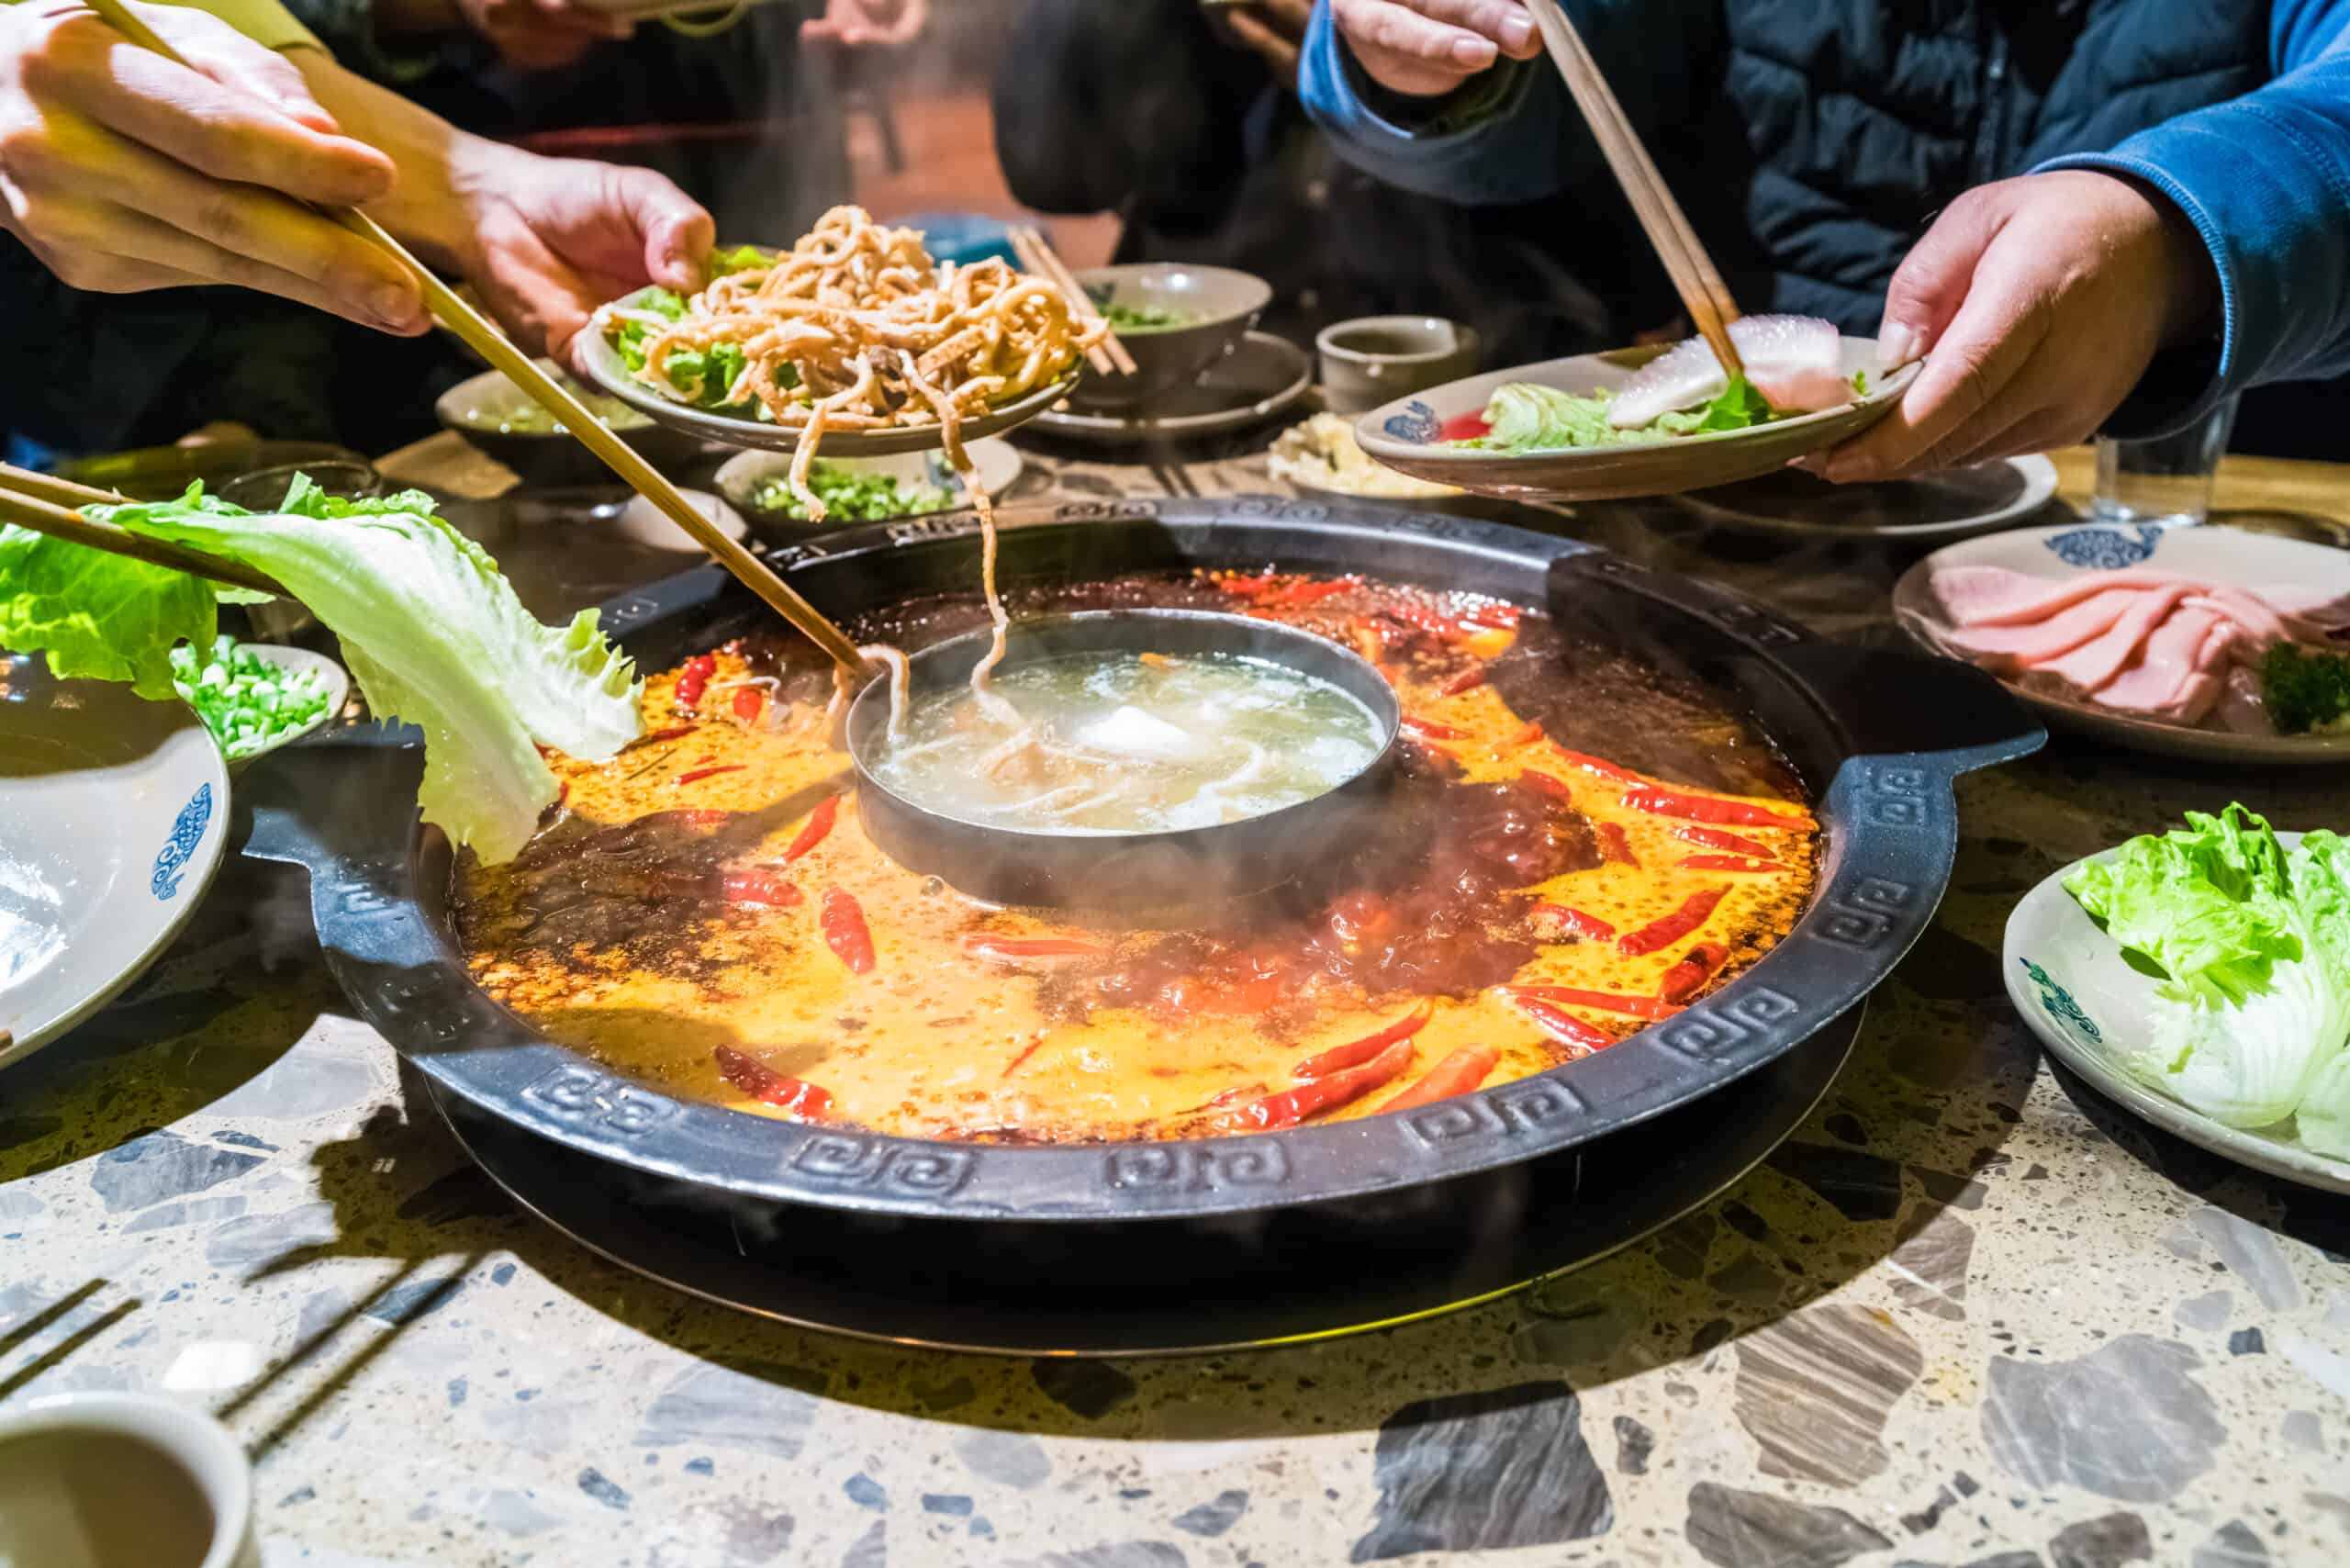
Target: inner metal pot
1134 871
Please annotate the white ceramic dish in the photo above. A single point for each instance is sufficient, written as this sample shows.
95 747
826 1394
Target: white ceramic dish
641 523
2226 556
113 813
2077 992
1263 377
604 369
999 464
110 1480
1980 498
338 681
1407 435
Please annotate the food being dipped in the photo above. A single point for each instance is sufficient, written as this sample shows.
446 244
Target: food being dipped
707 912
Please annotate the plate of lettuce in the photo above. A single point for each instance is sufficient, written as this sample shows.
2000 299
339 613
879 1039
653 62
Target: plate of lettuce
1644 421
2202 978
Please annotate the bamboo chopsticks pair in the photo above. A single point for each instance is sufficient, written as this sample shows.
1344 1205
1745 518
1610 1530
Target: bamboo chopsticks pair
49 505
1702 293
1109 357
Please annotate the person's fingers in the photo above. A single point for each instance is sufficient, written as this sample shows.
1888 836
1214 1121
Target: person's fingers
215 128
1951 408
1505 22
1933 278
234 61
1401 33
529 288
86 163
676 230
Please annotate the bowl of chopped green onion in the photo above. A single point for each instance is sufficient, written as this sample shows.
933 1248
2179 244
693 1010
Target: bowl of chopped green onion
1175 319
859 489
257 697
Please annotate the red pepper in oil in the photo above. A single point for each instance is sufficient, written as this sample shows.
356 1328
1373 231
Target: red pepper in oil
819 823
1292 1106
1696 967
845 933
1672 928
1563 1026
1354 1053
764 1084
1456 1074
1658 801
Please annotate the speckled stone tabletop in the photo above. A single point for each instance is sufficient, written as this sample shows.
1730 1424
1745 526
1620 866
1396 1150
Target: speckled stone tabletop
1969 1314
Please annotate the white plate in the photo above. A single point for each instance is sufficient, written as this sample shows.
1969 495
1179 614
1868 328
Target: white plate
113 814
2073 986
999 464
2225 556
1407 435
1979 499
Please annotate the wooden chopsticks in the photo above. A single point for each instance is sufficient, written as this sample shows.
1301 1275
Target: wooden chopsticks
1109 357
48 505
1702 293
486 340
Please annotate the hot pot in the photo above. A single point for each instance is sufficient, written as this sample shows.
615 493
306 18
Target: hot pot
1098 1230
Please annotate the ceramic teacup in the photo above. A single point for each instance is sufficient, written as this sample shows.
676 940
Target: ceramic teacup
122 1481
1377 359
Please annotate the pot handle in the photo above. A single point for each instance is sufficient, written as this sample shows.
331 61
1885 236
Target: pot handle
1930 713
326 804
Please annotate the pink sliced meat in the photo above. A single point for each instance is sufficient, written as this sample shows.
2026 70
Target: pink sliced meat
1995 595
2099 659
2175 672
2014 647
2261 624
1798 355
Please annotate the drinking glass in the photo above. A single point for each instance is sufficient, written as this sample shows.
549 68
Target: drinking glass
2165 481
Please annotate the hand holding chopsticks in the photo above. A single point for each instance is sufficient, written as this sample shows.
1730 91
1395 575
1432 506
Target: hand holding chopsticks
1109 357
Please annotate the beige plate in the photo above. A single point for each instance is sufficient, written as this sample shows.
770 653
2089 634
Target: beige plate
603 367
1259 379
1404 435
113 814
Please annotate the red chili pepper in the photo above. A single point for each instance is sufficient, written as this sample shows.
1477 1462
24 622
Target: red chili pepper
1467 680
1565 1027
1429 730
1304 593
1015 949
1292 1106
1728 843
562 794
674 732
693 677
1426 620
1726 863
1696 967
1456 1074
819 823
1354 1053
1529 734
765 1084
1605 769
1244 586
1369 640
697 775
1493 617
1574 922
1554 788
1027 1051
844 931
755 885
1673 927
1615 845
1648 1007
1662 803
749 703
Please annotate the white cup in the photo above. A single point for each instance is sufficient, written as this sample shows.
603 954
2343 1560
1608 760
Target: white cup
122 1481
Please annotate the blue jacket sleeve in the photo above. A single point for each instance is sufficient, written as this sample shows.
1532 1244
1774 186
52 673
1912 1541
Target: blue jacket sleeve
1510 135
2265 179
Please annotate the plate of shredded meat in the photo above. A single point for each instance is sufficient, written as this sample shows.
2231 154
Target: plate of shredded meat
854 340
2208 643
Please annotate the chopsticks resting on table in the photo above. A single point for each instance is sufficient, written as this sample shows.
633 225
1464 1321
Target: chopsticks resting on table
1109 357
1702 293
485 339
49 505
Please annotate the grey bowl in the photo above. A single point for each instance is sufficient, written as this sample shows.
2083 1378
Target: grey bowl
482 407
1220 306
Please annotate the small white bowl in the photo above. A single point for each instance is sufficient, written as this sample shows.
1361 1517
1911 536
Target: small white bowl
338 695
85 1480
998 461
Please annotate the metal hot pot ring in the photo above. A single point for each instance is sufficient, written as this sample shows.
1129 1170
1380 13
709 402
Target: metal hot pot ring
1879 735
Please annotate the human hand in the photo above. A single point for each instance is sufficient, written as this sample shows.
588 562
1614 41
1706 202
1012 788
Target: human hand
2037 304
1427 48
542 35
124 170
857 23
548 239
1273 30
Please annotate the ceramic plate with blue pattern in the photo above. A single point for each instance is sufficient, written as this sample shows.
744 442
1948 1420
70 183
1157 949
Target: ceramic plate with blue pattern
1408 435
2089 1006
2224 556
114 811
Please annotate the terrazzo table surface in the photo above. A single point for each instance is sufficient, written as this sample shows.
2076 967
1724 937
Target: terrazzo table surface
1968 1315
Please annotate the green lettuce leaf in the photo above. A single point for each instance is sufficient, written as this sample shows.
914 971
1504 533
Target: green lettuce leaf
97 615
434 635
1524 417
2208 904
